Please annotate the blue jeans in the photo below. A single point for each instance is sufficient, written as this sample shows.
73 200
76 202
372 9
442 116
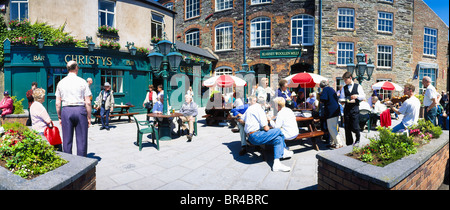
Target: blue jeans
431 115
398 127
272 137
104 117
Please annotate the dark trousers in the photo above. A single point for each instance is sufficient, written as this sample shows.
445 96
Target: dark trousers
104 117
74 118
431 115
351 118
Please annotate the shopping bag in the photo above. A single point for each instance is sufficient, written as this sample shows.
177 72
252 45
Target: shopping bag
52 134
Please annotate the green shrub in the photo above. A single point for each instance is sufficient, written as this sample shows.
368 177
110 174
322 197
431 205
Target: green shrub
18 107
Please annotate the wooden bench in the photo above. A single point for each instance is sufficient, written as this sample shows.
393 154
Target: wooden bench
118 115
313 135
210 118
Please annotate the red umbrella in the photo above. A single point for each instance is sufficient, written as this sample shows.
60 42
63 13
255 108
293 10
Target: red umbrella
224 81
386 85
306 80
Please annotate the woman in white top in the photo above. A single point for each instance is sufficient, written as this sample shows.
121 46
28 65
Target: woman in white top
285 120
39 116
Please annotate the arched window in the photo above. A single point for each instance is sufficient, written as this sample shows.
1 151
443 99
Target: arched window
223 70
193 37
302 27
260 29
224 36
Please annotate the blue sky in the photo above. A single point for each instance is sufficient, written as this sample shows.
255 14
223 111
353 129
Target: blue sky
440 8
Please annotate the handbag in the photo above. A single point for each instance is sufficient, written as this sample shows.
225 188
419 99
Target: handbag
149 105
52 134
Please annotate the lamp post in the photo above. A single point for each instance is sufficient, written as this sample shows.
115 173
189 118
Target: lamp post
166 55
361 67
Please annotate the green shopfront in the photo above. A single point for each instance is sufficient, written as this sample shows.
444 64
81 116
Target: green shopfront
129 75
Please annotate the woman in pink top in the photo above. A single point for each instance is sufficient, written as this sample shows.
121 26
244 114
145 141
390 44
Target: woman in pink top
6 105
39 116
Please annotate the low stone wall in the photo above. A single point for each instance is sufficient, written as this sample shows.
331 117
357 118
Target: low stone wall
77 174
424 170
11 118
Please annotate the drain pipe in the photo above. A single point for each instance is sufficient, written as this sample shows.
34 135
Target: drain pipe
320 37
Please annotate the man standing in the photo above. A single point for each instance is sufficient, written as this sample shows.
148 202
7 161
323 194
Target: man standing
332 112
353 94
30 98
106 99
410 108
189 110
73 106
430 100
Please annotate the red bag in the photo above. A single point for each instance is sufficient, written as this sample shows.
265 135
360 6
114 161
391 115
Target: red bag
52 135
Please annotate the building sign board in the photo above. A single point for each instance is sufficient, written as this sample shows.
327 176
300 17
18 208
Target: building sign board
289 53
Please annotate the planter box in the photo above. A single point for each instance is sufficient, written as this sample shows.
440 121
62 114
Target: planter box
420 171
77 174
11 118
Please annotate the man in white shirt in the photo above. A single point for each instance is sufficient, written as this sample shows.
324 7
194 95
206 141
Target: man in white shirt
353 94
410 108
430 100
285 120
74 96
258 131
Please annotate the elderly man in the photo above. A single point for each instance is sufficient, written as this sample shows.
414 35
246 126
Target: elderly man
73 95
410 108
353 94
189 111
430 100
285 120
258 131
105 100
332 112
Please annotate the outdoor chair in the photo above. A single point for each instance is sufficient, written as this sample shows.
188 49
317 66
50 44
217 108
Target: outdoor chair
147 127
195 127
364 118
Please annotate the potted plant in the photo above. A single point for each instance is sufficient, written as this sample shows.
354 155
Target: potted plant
105 29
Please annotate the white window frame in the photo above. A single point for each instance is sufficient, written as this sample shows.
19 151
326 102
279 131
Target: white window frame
169 5
430 42
299 32
106 13
223 70
384 18
430 72
19 3
348 15
348 53
384 56
192 8
265 25
224 36
192 37
254 2
222 5
157 23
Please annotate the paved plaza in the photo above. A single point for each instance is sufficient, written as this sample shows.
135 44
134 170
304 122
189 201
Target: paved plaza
210 162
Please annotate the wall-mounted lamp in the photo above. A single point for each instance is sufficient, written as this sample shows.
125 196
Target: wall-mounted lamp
40 41
131 48
90 44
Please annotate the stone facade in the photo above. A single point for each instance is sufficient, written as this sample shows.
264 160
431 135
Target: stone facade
406 37
280 13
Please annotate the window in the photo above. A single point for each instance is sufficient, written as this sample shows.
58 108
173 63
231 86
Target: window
224 4
224 36
385 22
55 75
430 41
169 5
260 32
193 37
192 8
157 25
106 13
387 1
384 93
19 10
384 56
344 53
223 70
346 18
430 72
261 1
114 77
302 27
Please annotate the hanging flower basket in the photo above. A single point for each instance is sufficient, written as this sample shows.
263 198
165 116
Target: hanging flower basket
109 45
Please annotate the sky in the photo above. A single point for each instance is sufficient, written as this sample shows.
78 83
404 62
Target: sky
440 7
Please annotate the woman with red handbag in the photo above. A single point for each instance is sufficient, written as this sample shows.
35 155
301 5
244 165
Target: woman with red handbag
41 121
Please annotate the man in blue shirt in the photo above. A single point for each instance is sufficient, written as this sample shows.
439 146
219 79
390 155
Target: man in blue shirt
238 112
332 112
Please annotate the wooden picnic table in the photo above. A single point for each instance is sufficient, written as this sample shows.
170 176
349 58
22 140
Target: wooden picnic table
217 114
164 129
124 111
312 132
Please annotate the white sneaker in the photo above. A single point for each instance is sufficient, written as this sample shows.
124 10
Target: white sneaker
287 154
278 166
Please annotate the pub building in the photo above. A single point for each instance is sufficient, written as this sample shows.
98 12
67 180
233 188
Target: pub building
129 75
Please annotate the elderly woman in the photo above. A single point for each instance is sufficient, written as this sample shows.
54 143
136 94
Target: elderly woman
6 105
189 111
285 120
331 112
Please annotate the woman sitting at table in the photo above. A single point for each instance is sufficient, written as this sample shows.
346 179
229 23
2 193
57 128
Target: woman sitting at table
158 106
189 111
285 120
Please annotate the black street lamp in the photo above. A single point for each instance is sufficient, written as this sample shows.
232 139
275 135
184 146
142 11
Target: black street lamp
361 67
167 55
